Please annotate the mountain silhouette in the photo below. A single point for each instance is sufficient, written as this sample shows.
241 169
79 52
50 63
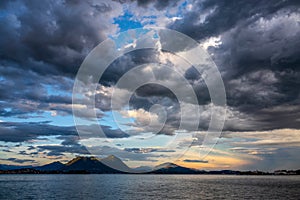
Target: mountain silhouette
88 165
171 168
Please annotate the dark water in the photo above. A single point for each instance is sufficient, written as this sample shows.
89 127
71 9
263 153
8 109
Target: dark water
148 187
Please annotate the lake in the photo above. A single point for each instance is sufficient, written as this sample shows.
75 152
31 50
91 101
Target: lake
106 186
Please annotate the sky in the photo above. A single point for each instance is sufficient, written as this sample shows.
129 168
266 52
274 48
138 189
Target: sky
255 46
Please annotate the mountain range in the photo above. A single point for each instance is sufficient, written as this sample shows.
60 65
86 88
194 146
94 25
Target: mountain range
114 165
110 164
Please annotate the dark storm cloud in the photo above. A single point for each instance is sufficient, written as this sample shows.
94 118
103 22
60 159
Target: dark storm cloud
25 153
53 153
198 84
68 140
70 144
20 84
127 62
16 160
157 90
281 158
261 65
225 15
279 116
92 131
51 37
147 150
258 57
102 7
255 36
22 131
195 161
116 70
159 5
42 45
268 43
58 150
31 148
113 133
143 2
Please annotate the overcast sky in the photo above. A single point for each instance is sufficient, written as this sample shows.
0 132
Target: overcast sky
254 44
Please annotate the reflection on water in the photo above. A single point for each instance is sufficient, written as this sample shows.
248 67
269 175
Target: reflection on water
94 186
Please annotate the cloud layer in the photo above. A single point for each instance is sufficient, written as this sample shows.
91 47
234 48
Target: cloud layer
255 44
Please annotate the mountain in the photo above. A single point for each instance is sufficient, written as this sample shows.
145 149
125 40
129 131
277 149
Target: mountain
115 163
88 165
171 168
142 169
55 166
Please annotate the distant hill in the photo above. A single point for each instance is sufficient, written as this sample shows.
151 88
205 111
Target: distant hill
143 169
13 167
166 165
55 166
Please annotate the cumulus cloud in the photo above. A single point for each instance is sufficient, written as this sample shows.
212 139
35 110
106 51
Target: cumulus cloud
256 52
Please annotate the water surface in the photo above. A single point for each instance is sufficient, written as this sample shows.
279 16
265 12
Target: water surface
96 186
